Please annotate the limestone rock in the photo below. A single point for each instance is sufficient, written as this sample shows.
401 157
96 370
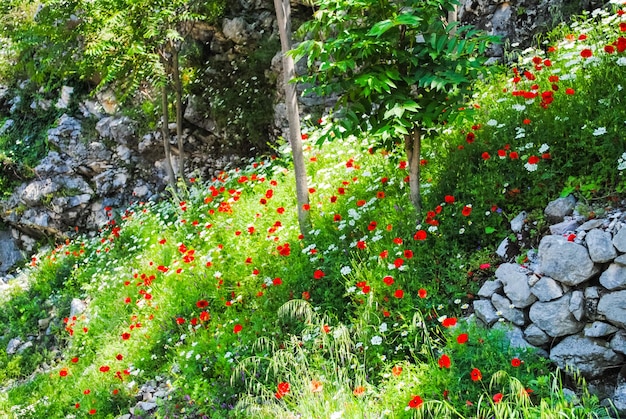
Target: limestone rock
559 208
564 227
590 356
489 288
618 343
564 261
119 129
507 250
503 305
554 317
619 240
536 336
515 282
600 246
599 329
613 307
546 289
236 30
576 305
9 252
517 223
485 311
614 277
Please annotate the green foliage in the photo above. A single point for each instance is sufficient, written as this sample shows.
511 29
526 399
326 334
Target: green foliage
396 67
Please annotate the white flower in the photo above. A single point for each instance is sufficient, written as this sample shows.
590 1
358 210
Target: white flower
544 147
382 328
530 167
519 108
345 270
376 340
621 61
599 131
336 415
492 123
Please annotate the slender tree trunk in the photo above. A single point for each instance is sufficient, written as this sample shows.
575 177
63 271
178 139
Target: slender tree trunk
412 146
283 17
178 88
165 133
453 17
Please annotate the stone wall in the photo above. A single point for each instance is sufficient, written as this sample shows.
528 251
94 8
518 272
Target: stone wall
568 298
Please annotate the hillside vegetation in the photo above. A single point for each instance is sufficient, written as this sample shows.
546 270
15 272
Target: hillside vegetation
216 295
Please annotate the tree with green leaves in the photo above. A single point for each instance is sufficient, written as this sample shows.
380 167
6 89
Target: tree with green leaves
400 68
132 42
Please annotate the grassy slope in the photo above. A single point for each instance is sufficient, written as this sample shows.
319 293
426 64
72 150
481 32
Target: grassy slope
215 291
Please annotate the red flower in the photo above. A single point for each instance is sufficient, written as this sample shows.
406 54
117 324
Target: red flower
422 293
398 262
516 362
119 357
388 280
514 155
420 235
448 199
485 156
361 245
586 53
238 328
408 254
497 397
476 375
396 370
92 411
63 372
449 322
318 274
180 320
466 211
398 294
415 402
202 304
622 26
306 295
282 389
569 91
125 336
104 368
609 49
277 281
502 153
74 360
444 361
533 160
205 316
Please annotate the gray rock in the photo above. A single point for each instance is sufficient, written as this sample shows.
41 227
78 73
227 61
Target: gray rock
77 307
507 250
559 208
618 343
9 252
505 308
599 329
13 346
600 246
25 346
620 260
37 191
536 336
146 406
489 288
554 317
515 282
576 305
485 311
591 224
563 227
515 336
619 397
564 261
547 289
119 129
590 356
613 307
66 96
619 240
236 30
517 223
614 277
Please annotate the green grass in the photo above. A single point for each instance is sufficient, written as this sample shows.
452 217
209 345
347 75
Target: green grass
216 292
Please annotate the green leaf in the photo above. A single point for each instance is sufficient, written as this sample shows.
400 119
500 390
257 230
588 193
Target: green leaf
407 19
489 230
380 28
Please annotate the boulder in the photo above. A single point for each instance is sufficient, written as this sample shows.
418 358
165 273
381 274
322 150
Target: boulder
485 312
536 336
576 305
505 309
515 282
619 240
599 329
614 277
555 318
613 307
600 246
557 210
564 261
546 289
507 250
9 252
591 356
489 288
120 129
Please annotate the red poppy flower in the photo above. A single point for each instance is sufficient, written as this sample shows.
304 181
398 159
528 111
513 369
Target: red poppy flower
466 211
205 316
449 322
448 199
622 26
119 357
516 362
238 328
415 402
380 194
93 411
318 274
502 153
609 49
526 121
104 368
497 397
514 155
360 202
485 156
476 375
361 245
366 289
63 372
74 360
180 320
125 336
398 294
388 280
422 293
420 235
398 262
533 160
444 361
306 295
586 53
277 281
470 137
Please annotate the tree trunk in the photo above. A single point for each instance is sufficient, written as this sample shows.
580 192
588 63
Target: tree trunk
178 88
165 133
412 146
283 17
453 17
